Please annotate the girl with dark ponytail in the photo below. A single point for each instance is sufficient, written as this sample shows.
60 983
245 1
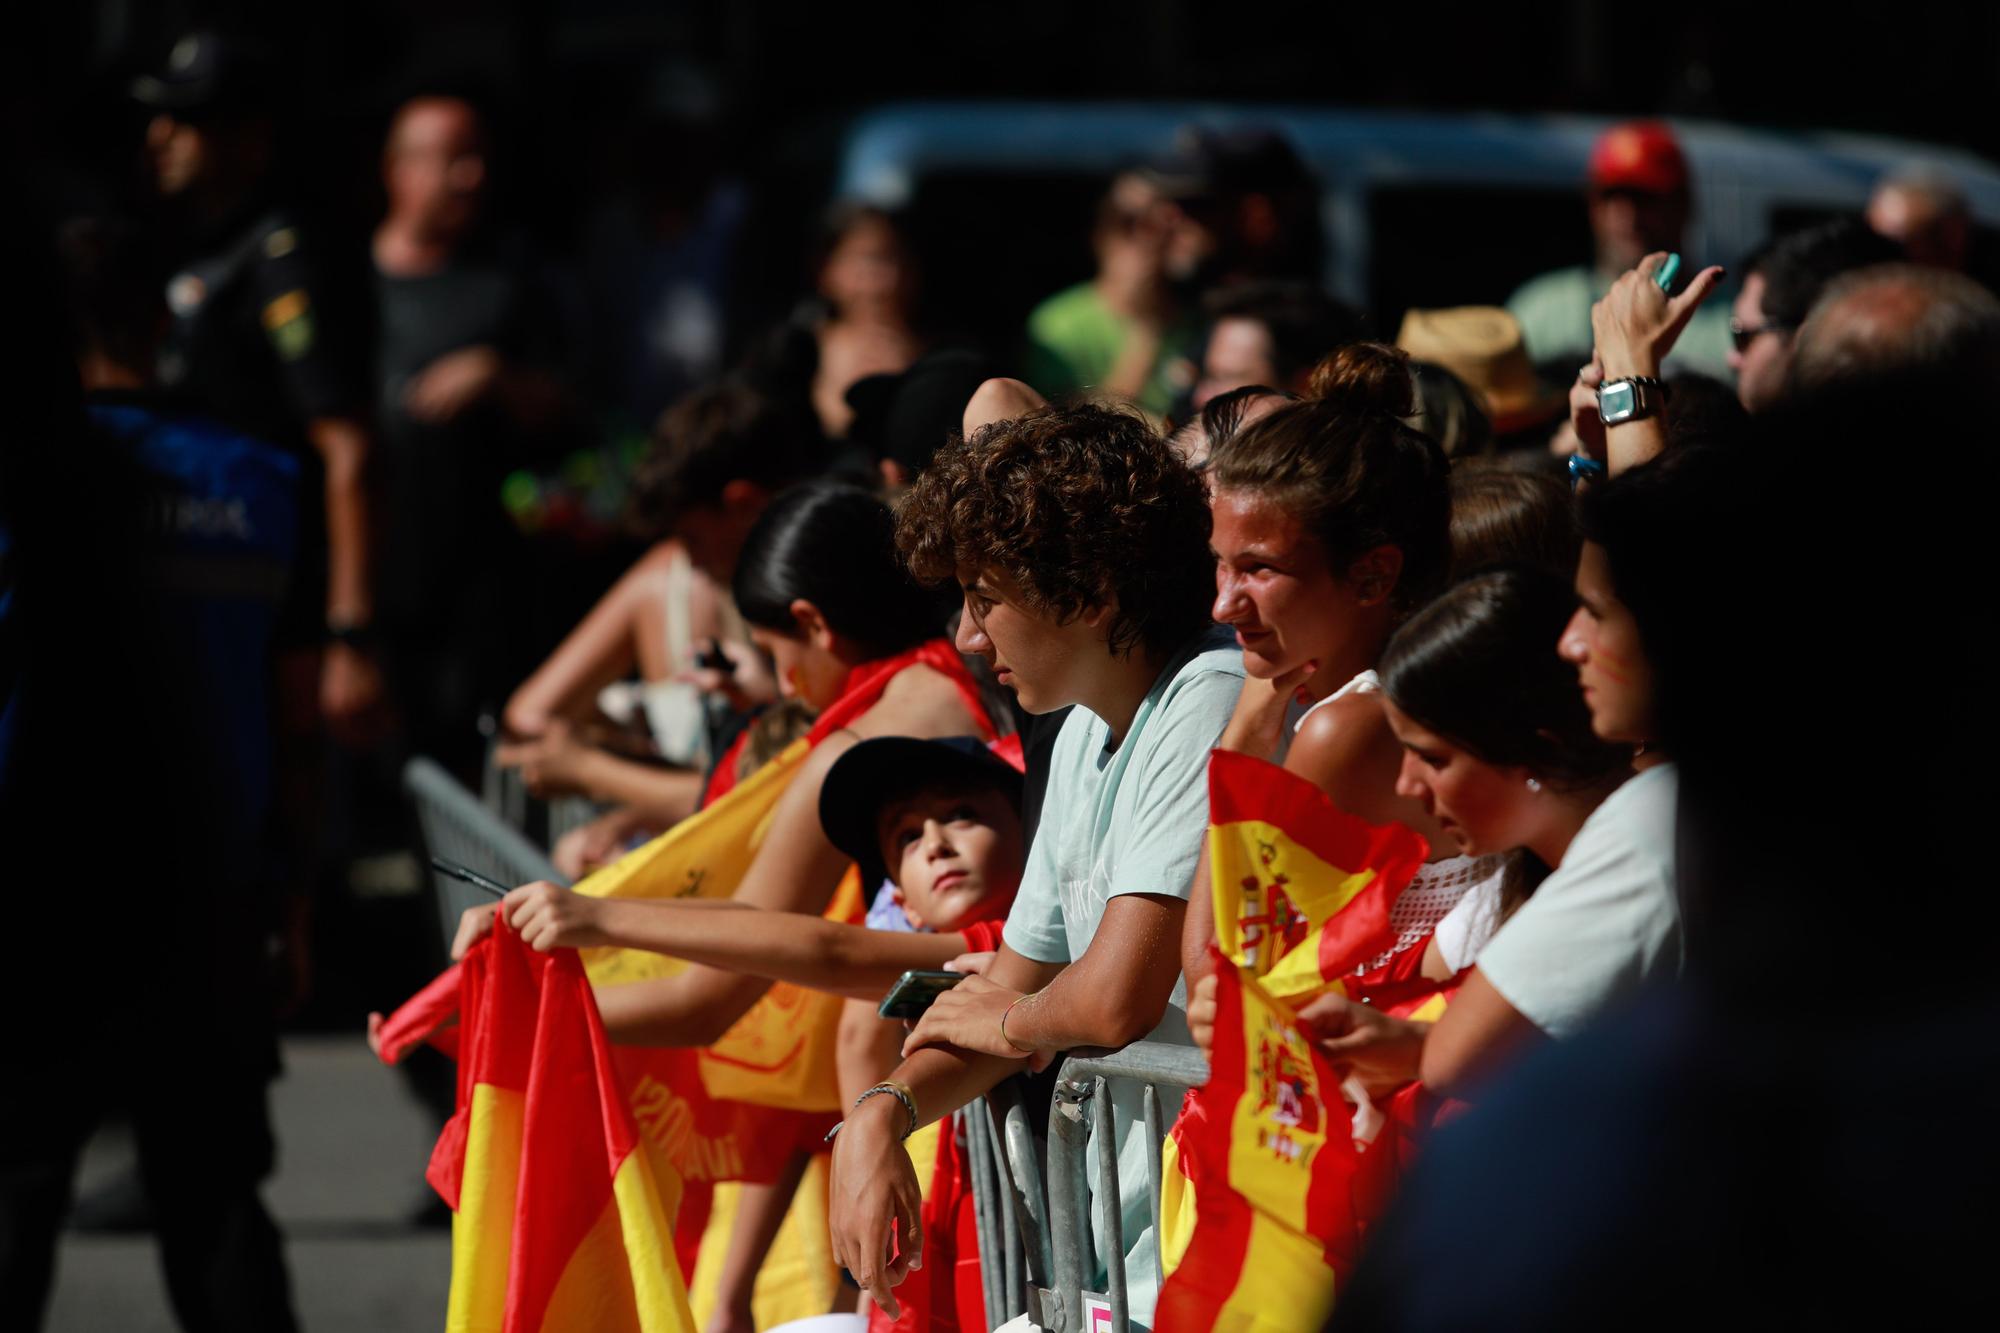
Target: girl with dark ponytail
1498 745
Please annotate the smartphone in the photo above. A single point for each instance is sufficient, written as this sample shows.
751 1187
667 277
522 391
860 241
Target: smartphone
914 991
470 876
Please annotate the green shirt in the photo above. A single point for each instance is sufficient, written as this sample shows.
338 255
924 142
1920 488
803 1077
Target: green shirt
1554 311
1129 820
1074 340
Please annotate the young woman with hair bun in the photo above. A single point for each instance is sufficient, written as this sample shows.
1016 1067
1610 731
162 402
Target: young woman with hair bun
1332 524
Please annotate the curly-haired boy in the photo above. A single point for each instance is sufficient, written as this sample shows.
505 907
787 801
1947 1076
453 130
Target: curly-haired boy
1081 542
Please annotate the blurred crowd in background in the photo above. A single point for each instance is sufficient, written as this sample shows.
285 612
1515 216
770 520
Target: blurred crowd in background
454 456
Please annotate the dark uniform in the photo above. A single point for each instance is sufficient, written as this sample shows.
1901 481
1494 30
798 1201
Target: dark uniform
174 1019
250 342
170 1019
249 338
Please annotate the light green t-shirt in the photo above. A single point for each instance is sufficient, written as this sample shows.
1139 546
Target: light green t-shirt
1554 311
1129 820
1074 340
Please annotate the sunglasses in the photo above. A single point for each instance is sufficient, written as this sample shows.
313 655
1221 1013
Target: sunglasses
1743 334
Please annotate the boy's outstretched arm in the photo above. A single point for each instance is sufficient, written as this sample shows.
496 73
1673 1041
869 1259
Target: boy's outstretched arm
809 951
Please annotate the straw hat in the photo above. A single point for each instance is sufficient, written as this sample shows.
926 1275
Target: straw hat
1482 345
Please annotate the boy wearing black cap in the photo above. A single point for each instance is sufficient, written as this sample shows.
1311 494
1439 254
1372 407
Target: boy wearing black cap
940 820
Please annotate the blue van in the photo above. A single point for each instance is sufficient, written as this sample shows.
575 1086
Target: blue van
1417 208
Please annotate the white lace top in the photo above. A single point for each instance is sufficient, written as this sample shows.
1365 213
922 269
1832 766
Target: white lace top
1463 889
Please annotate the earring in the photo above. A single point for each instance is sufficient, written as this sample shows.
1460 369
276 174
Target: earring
1534 784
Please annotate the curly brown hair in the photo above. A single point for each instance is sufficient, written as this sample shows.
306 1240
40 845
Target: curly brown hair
1081 506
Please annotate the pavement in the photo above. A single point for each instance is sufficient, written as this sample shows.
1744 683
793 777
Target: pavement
352 1144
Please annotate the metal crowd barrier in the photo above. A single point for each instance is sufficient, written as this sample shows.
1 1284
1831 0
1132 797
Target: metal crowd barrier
1036 1245
458 826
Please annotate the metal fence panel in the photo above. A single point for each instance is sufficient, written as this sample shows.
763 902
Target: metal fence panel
1083 1098
458 827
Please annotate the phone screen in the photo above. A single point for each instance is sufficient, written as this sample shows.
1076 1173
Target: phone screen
914 991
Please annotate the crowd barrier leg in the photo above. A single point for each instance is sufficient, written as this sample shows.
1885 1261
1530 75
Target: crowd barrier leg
1082 1126
1068 1212
994 1266
1110 1240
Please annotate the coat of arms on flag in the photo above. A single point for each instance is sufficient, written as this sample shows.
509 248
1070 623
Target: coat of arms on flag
1270 1180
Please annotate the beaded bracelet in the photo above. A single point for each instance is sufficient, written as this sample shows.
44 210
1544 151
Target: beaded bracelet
901 1093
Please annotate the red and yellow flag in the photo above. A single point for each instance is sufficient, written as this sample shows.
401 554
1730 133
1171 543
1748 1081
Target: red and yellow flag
740 1109
1268 1189
564 1213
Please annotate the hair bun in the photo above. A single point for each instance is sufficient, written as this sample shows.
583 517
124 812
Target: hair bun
1366 377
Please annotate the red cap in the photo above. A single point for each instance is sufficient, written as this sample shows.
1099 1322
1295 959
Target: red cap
1638 155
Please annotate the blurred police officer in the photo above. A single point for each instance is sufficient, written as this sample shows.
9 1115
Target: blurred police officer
256 339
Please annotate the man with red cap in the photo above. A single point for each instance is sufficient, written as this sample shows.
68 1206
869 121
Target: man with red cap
1639 203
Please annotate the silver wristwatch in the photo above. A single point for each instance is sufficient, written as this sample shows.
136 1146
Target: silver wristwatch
1630 398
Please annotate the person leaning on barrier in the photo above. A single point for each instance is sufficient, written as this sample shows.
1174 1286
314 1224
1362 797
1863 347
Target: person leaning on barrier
1080 541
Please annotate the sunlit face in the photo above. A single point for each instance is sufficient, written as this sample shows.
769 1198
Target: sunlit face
1273 586
1602 639
1761 354
1239 352
180 152
1484 808
953 856
1047 664
805 669
435 166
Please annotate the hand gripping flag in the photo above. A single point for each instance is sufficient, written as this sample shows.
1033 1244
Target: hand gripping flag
564 1213
1268 1187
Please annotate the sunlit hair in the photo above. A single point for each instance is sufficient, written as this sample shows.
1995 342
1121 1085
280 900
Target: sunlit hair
830 543
1082 507
1479 666
1347 467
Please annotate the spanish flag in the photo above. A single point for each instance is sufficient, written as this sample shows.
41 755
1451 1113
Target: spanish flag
563 1212
1268 1188
740 1109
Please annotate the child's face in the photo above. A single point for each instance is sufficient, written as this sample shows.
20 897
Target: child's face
950 853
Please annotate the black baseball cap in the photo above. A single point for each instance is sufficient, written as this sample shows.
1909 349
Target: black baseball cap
209 73
855 789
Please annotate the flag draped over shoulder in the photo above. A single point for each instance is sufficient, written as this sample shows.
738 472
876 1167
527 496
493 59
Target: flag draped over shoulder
1268 1188
564 1214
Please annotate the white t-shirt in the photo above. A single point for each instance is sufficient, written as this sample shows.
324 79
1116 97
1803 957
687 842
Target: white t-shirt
1605 922
1129 820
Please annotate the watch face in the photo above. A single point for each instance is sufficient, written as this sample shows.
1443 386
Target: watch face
1615 402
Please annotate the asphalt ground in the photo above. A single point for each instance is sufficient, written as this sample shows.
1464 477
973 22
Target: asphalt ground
352 1144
